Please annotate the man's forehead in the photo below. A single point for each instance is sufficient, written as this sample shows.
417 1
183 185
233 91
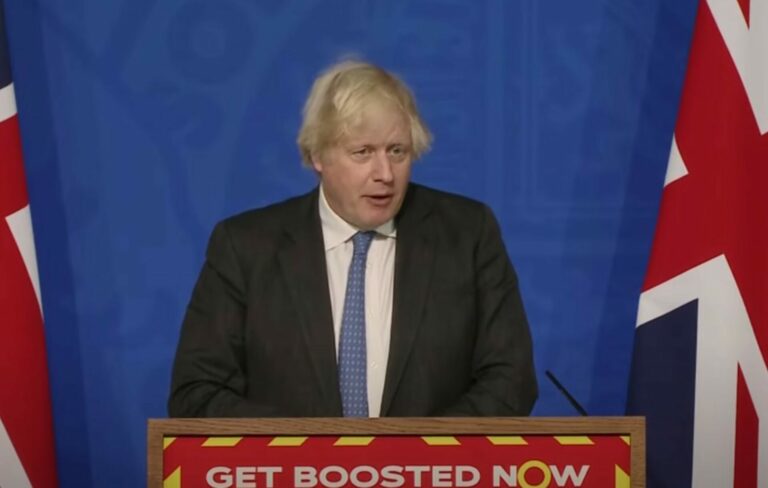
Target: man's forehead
381 123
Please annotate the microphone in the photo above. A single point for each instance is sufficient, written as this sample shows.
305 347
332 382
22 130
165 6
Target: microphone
565 392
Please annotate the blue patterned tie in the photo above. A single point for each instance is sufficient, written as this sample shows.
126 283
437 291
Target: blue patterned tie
353 378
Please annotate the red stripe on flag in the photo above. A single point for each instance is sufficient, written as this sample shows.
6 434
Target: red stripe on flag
25 405
13 189
721 205
744 4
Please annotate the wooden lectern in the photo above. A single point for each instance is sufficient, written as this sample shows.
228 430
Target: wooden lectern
533 452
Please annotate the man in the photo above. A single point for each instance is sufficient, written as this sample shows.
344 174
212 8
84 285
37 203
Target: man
369 296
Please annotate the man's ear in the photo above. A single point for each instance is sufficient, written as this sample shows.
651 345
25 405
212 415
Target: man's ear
317 164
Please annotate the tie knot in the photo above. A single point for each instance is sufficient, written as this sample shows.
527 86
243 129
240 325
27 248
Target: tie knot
362 241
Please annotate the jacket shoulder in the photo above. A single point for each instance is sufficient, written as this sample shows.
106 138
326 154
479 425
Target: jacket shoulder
270 219
444 202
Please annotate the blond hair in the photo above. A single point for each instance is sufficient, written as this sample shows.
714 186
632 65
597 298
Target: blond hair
337 100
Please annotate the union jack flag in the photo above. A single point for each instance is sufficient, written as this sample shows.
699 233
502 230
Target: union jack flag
699 372
26 428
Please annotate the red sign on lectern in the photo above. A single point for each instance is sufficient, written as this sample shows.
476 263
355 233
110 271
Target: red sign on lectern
390 461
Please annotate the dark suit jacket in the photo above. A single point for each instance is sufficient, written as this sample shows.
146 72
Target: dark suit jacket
258 339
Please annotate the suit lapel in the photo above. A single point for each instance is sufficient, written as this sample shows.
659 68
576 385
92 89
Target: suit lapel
414 260
302 260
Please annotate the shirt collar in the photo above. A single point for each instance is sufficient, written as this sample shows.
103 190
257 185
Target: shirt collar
337 231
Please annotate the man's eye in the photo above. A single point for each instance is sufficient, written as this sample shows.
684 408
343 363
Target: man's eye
397 151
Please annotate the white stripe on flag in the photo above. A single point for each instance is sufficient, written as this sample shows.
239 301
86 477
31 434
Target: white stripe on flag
7 103
676 166
12 474
20 223
746 45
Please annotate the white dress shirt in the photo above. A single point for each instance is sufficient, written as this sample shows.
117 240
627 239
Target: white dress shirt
379 285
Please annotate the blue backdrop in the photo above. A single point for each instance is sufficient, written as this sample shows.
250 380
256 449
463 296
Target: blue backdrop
146 121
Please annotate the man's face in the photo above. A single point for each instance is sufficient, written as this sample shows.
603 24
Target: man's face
365 175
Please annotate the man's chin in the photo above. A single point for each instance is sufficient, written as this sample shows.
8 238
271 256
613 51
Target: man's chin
374 222
376 216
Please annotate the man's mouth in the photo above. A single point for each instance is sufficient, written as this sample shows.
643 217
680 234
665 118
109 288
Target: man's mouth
382 199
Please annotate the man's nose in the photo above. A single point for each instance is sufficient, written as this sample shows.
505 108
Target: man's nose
382 167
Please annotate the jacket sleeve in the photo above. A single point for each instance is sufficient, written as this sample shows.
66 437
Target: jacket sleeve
503 377
208 378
